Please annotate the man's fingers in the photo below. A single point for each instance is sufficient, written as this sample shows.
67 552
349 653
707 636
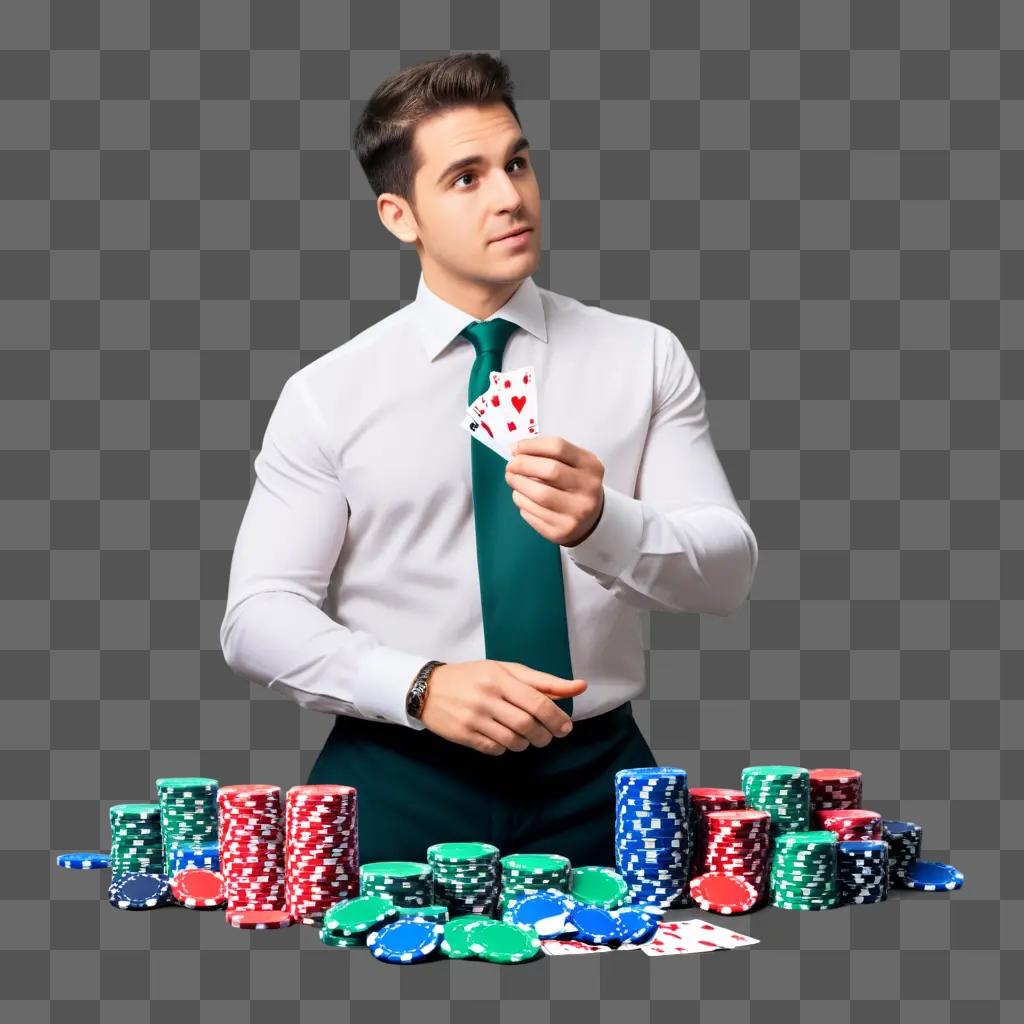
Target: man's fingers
535 703
522 723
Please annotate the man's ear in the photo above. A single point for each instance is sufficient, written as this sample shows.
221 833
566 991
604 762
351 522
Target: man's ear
397 216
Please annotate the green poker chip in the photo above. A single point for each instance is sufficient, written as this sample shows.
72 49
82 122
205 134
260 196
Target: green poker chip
360 914
599 886
456 943
501 943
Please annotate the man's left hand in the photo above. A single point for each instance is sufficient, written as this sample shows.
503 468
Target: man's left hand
558 487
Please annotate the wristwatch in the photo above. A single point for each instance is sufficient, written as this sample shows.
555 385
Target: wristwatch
418 690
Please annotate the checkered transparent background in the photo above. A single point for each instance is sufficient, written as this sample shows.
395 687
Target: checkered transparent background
824 200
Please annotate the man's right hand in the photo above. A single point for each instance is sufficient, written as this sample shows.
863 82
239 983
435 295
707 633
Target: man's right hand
494 706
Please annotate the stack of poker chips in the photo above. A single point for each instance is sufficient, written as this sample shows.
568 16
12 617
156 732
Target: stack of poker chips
407 883
804 871
466 877
904 839
863 871
188 812
704 800
194 855
852 825
530 872
739 843
135 840
783 791
322 845
251 847
652 834
836 789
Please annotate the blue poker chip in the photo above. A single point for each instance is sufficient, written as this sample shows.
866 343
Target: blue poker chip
406 941
932 876
598 926
83 861
638 923
138 891
547 911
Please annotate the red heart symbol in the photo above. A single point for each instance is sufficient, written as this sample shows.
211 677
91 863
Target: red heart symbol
519 402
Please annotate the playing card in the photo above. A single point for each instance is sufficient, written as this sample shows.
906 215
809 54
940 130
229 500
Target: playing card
514 394
570 947
483 434
725 937
670 941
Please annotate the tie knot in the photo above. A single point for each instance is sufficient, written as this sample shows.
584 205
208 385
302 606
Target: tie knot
489 336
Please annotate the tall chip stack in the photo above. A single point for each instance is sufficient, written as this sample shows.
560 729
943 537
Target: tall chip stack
322 849
783 790
703 801
188 814
252 847
652 834
136 844
739 844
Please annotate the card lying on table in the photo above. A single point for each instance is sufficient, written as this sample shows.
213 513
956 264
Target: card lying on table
506 412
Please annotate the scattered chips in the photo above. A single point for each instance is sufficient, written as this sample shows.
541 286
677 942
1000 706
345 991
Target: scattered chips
405 942
198 888
137 890
259 920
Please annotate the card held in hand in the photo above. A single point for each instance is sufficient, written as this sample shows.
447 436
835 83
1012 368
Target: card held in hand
506 412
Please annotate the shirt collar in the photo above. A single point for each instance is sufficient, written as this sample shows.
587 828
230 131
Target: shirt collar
440 322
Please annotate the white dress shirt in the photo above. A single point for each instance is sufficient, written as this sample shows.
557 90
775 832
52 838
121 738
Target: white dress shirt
355 561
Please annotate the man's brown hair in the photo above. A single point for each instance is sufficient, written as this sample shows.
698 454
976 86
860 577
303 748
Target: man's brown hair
383 137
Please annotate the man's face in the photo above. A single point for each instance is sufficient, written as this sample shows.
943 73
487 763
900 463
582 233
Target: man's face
461 210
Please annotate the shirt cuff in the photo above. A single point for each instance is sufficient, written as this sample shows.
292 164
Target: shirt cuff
384 678
614 545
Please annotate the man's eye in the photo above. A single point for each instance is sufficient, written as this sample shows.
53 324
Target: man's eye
469 174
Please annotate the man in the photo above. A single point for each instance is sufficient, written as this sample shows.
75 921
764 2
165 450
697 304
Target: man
480 641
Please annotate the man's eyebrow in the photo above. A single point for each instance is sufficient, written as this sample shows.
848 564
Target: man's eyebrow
469 161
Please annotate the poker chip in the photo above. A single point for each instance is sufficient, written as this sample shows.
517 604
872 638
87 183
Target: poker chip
258 920
83 861
329 938
407 941
138 890
804 871
904 839
850 825
783 791
188 812
723 894
547 911
455 942
501 943
197 888
835 788
136 844
652 834
522 873
406 883
638 922
465 876
932 876
597 925
251 850
359 915
599 886
862 869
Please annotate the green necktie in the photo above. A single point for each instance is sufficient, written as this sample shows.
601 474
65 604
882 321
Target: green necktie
522 594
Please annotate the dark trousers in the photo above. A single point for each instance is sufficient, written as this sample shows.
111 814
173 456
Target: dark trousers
416 789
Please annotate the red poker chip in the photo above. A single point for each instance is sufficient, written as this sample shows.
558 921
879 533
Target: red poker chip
722 893
716 793
258 919
198 887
